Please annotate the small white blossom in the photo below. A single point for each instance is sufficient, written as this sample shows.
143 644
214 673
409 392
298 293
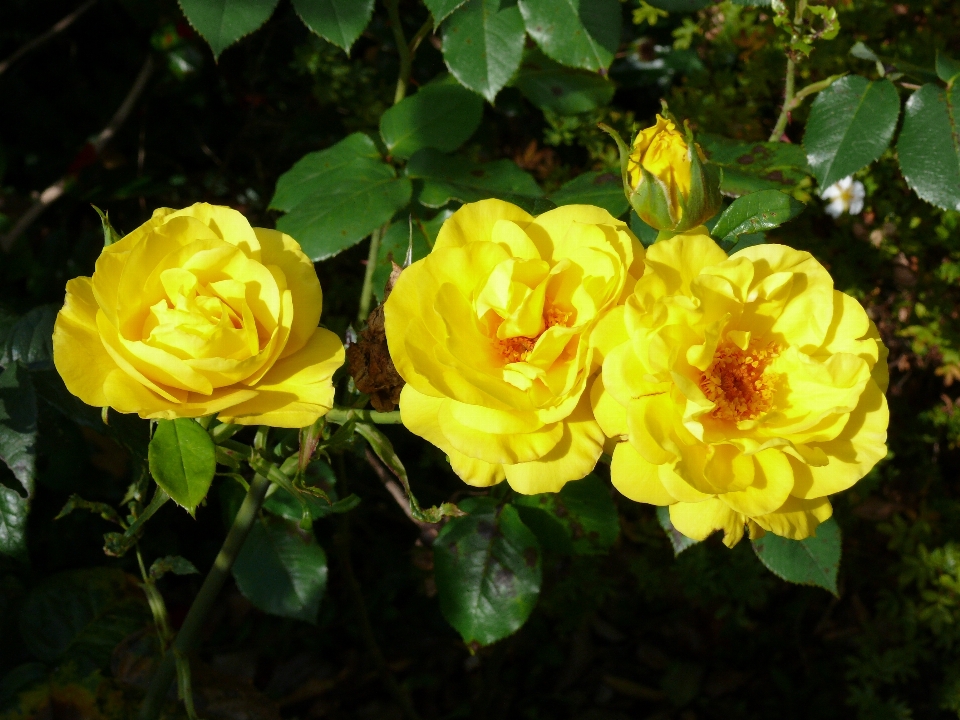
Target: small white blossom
845 196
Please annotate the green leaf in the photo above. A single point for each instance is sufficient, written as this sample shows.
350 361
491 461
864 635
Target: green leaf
565 91
947 68
396 241
336 197
223 22
280 502
282 570
29 339
604 189
441 115
13 523
751 167
483 44
447 178
579 33
441 8
678 540
756 212
182 460
814 561
316 171
929 145
850 125
488 571
81 616
583 509
172 563
18 425
339 21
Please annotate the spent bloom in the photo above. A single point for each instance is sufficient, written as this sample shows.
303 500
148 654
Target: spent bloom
741 391
845 195
196 312
491 332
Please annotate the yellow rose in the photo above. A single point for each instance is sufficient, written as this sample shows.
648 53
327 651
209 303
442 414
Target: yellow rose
741 390
491 333
666 182
194 313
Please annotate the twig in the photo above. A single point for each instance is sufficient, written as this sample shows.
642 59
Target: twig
396 492
96 145
57 28
193 624
781 125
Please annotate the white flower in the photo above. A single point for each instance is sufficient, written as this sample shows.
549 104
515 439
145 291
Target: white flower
845 196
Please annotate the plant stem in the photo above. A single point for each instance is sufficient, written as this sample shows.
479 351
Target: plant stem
189 635
781 125
403 50
341 415
367 292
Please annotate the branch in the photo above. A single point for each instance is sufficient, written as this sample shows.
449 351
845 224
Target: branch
96 145
58 28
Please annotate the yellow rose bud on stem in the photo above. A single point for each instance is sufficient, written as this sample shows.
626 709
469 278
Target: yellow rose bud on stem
741 391
197 313
492 334
666 178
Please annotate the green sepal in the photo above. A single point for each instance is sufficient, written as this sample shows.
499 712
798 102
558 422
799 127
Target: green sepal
704 200
651 202
110 236
624 157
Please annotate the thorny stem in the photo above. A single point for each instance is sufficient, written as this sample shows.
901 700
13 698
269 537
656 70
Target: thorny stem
781 125
788 93
189 635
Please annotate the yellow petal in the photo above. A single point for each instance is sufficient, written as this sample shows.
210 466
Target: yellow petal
283 251
572 458
497 448
610 414
475 472
677 261
637 479
474 222
852 454
228 224
699 520
808 311
651 420
769 488
126 395
78 352
609 332
419 414
796 519
297 390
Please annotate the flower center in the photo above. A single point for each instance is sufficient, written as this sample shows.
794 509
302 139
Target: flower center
517 349
738 383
